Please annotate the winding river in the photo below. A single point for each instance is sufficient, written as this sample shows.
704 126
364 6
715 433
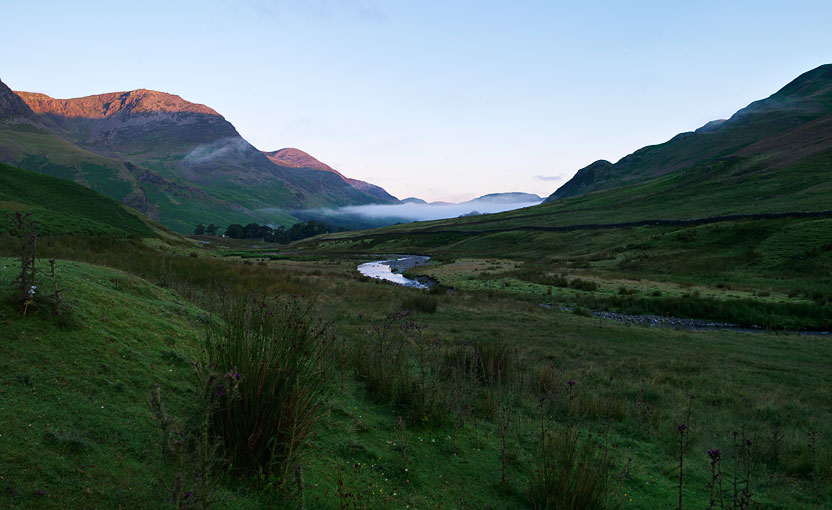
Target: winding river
390 270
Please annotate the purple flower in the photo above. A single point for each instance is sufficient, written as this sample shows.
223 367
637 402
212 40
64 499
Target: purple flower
714 454
570 383
187 494
682 427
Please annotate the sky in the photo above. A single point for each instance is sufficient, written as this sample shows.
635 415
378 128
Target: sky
442 100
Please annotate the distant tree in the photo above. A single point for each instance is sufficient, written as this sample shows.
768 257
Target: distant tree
280 235
235 231
252 231
199 230
211 229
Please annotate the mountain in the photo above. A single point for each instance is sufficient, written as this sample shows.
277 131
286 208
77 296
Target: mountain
11 106
296 158
179 162
505 198
31 141
793 123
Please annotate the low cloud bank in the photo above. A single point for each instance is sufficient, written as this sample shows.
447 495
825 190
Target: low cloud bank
424 212
368 216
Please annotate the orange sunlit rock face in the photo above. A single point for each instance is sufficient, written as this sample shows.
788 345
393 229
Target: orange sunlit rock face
296 158
106 105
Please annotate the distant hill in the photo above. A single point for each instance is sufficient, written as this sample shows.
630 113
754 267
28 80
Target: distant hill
792 124
506 198
296 158
179 162
414 209
61 207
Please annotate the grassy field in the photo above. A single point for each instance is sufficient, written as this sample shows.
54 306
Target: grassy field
770 273
486 380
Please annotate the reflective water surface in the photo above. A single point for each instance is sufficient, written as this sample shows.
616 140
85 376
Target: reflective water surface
389 270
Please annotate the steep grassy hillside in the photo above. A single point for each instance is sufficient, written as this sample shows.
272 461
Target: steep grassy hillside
74 400
794 123
178 205
62 207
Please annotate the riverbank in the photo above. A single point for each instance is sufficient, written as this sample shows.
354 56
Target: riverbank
390 270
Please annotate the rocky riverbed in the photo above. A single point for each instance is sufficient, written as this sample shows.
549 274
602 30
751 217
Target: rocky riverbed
659 321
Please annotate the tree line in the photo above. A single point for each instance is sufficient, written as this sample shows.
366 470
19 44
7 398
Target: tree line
268 234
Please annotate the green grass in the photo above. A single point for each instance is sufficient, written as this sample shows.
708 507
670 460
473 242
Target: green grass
768 273
63 207
140 332
74 402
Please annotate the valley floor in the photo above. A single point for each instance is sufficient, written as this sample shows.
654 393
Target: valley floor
497 380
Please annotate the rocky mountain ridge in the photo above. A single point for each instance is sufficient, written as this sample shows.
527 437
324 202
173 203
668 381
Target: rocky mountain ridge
182 163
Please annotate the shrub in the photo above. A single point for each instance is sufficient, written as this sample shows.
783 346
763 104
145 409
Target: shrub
585 285
583 312
624 291
438 290
24 287
282 355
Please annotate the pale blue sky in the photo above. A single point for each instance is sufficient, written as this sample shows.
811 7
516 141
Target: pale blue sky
444 100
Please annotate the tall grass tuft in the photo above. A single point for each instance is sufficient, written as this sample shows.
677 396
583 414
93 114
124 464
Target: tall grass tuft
283 357
420 302
571 475
399 365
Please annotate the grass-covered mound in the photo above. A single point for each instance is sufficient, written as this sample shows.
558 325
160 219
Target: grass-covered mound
74 399
59 206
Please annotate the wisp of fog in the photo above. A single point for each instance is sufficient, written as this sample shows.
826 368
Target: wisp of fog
377 215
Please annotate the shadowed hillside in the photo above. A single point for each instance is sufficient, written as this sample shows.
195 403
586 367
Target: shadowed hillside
793 124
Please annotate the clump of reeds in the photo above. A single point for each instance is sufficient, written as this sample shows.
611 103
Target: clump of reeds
572 473
282 353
